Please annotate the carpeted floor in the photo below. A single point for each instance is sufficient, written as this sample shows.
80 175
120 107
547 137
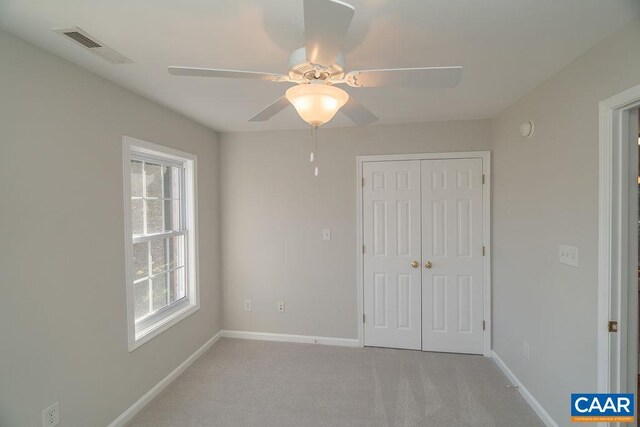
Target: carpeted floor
260 383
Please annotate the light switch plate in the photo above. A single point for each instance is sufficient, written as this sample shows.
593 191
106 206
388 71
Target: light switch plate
568 255
326 234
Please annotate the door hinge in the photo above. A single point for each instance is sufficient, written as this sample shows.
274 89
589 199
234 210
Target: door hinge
483 251
363 249
613 326
483 178
364 318
484 325
363 182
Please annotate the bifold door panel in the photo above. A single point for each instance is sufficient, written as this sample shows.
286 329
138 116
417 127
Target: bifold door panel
391 218
423 270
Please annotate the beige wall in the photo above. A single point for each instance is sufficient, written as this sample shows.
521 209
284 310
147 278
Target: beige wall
63 333
274 210
545 193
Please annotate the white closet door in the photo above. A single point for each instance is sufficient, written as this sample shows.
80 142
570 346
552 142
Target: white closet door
391 221
452 290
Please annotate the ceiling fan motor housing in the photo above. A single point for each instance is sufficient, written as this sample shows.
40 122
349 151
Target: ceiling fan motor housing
301 68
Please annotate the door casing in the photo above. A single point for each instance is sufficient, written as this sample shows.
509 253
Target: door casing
486 229
617 244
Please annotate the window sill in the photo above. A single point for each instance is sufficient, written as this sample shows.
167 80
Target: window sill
150 332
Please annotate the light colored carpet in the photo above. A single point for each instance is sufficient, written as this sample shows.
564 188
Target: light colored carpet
260 383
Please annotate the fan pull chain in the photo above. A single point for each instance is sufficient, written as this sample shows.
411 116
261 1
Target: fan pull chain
314 137
314 153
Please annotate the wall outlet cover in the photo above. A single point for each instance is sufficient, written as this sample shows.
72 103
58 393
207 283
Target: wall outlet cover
326 234
568 255
525 350
281 306
247 305
51 415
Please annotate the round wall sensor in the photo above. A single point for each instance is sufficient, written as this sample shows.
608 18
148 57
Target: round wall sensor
526 129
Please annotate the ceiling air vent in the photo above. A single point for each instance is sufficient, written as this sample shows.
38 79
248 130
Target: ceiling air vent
82 39
90 43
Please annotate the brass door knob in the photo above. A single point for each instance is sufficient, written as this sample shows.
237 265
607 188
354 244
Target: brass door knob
428 264
415 264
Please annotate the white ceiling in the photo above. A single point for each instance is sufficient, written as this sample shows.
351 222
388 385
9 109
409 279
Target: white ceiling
507 47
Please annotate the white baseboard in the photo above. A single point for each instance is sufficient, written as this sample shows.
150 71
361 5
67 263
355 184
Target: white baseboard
148 396
305 339
535 405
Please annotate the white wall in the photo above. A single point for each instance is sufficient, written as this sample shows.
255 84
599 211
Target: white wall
63 333
545 192
274 210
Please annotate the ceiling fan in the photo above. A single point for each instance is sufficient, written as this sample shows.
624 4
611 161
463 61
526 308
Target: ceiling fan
317 67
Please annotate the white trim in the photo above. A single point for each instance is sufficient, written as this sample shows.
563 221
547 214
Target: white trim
132 410
486 225
528 397
360 257
151 149
129 145
162 325
613 222
424 156
486 238
304 339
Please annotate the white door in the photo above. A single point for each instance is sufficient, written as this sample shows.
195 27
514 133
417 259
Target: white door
452 284
391 229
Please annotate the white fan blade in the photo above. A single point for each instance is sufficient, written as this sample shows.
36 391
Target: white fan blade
358 113
326 23
273 109
406 77
233 74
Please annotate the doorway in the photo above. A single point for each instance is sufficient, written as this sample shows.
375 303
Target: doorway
424 268
618 244
635 116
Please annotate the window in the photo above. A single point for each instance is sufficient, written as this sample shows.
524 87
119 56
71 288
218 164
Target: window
160 238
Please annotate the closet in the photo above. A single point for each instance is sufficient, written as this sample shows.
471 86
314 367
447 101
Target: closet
423 254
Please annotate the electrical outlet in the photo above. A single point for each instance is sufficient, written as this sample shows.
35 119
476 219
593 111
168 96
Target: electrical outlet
247 305
525 350
281 306
568 255
326 234
51 415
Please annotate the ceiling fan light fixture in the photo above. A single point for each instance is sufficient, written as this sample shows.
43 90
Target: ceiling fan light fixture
316 103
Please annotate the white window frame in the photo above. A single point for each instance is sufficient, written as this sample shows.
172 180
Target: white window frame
156 324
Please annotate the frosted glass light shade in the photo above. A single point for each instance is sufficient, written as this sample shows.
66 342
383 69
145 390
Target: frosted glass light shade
316 103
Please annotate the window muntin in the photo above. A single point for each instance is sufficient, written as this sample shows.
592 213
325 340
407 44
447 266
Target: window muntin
159 236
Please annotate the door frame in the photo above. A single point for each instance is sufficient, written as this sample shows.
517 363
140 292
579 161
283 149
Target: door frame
486 229
617 278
